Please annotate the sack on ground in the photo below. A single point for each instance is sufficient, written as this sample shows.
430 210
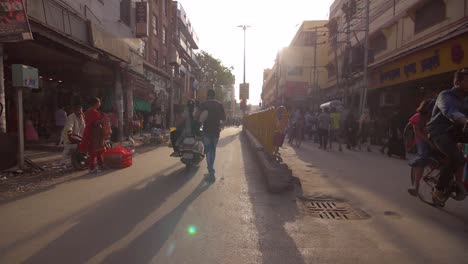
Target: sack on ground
118 158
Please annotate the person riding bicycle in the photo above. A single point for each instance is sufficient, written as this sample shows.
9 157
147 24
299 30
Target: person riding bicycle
448 124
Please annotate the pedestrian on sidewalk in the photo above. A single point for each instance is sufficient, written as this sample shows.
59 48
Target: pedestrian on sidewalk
364 130
212 129
335 117
75 126
94 136
351 129
60 120
324 125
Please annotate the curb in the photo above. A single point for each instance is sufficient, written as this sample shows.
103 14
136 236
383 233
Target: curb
278 175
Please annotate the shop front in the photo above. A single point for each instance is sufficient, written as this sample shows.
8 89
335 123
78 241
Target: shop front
68 76
403 83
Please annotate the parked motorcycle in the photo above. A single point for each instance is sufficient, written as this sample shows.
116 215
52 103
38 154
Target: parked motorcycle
79 160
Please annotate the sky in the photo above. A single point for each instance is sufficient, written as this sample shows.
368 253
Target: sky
273 25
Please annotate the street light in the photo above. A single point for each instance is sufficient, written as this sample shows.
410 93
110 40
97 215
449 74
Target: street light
244 27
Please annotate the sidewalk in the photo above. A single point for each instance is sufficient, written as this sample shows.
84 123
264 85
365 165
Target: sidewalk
48 157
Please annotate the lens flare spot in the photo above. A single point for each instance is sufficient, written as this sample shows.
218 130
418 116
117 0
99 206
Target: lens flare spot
192 230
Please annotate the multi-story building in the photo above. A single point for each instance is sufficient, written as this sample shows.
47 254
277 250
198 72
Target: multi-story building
299 70
414 46
185 41
82 49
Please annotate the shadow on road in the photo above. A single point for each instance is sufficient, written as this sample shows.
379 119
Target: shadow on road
272 212
148 244
381 178
109 222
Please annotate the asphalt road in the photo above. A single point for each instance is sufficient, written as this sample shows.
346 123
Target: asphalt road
158 212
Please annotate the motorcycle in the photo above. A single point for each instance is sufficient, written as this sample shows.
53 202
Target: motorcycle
192 151
80 160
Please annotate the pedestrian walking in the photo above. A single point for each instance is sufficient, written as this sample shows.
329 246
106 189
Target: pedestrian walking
324 124
74 126
351 130
212 129
364 130
335 117
396 144
60 120
94 136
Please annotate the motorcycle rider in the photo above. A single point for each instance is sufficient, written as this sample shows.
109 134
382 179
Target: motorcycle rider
186 125
74 126
446 128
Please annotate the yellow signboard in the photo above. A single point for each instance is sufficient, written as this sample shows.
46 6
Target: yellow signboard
448 56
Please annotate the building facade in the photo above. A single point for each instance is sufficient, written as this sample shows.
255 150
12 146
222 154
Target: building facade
299 70
414 45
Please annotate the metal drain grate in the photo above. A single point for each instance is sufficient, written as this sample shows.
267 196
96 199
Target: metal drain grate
330 209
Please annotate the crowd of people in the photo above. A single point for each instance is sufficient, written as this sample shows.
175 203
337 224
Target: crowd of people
439 125
348 128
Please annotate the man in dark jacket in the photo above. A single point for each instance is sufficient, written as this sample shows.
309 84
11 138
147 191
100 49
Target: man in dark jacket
211 129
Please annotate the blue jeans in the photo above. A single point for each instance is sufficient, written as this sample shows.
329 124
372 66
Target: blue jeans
210 142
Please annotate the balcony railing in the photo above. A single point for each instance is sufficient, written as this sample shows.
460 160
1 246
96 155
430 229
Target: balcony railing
59 17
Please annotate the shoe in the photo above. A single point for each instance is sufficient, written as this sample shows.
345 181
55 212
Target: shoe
210 178
439 198
175 154
413 192
94 171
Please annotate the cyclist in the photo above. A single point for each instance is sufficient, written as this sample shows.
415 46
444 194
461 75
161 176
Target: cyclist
448 117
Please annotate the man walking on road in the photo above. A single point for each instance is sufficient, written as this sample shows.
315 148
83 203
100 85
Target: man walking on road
211 129
324 124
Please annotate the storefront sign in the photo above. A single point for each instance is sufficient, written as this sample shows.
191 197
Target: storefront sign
14 25
25 76
141 19
441 58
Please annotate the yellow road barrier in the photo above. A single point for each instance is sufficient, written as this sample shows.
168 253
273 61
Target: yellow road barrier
266 125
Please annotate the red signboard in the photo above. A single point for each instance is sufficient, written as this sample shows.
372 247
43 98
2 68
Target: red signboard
141 19
14 25
296 89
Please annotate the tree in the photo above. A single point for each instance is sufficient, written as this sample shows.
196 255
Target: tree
214 75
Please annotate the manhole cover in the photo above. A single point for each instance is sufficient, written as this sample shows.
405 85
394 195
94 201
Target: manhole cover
330 209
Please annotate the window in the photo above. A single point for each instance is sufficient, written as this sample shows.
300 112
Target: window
308 38
125 12
155 57
154 23
378 42
165 4
143 49
430 14
295 70
164 36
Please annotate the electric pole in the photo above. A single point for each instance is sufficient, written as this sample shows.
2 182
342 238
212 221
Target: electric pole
366 59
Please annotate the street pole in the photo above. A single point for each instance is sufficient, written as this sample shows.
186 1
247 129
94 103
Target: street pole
19 109
2 94
171 100
245 30
315 59
366 59
347 66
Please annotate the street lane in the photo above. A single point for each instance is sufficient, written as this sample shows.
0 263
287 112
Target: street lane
415 232
158 212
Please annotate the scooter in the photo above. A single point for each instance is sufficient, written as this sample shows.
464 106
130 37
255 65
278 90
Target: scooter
192 151
79 160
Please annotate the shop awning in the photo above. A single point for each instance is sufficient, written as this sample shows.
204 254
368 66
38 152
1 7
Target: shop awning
141 105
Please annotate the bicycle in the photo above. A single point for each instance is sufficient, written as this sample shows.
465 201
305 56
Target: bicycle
431 174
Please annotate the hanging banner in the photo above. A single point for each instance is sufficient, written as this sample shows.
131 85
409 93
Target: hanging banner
14 24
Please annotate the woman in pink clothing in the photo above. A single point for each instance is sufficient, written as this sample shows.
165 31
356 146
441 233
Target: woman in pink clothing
423 144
